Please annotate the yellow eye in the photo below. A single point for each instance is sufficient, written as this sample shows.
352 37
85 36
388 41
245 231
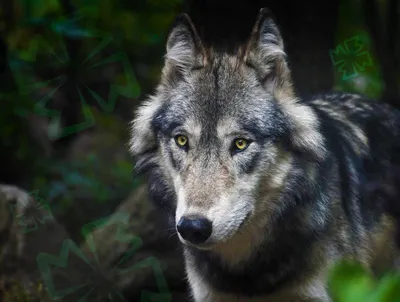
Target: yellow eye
241 143
181 140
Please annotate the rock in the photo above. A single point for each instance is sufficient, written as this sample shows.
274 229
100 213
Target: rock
27 228
91 181
133 246
127 253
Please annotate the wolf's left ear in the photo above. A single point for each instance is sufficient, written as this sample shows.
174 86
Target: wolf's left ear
184 47
265 51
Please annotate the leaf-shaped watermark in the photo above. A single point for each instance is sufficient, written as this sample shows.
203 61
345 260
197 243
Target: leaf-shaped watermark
48 57
97 283
351 58
32 215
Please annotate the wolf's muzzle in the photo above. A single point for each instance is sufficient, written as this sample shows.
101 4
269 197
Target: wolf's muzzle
194 229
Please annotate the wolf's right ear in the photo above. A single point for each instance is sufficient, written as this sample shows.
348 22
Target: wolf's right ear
184 47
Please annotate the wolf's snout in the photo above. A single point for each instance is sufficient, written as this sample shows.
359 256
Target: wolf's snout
196 230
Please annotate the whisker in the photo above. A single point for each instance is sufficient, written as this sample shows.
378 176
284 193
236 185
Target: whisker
170 236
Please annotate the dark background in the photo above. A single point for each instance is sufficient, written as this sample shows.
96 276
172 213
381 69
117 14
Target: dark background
71 75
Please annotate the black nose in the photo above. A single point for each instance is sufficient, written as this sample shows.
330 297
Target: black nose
194 229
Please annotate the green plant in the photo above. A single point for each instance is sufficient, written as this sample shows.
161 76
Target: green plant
350 282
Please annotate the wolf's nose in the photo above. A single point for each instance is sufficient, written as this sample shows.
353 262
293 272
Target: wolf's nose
194 229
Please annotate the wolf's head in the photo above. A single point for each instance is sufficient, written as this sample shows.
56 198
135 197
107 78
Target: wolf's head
220 133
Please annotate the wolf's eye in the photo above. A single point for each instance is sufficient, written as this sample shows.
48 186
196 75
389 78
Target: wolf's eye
181 140
241 144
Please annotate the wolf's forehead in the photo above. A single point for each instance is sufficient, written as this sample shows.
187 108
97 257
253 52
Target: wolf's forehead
221 99
224 82
222 86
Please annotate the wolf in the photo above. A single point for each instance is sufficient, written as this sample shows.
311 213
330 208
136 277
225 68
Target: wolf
266 190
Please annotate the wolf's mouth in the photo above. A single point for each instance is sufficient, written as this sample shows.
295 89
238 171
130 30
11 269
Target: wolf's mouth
208 245
201 246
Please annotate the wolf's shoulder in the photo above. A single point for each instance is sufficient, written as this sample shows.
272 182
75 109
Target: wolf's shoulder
355 120
355 108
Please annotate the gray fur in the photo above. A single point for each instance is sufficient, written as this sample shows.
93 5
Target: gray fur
279 210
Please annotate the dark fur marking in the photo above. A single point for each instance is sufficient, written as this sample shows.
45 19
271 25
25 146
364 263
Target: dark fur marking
160 193
273 127
144 161
176 164
164 121
216 70
337 145
355 170
249 166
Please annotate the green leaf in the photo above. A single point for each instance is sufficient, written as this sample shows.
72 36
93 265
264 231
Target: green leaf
70 28
388 289
350 282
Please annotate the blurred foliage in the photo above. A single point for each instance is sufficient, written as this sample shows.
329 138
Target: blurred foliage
15 292
140 26
350 282
18 145
351 24
86 179
10 127
38 35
